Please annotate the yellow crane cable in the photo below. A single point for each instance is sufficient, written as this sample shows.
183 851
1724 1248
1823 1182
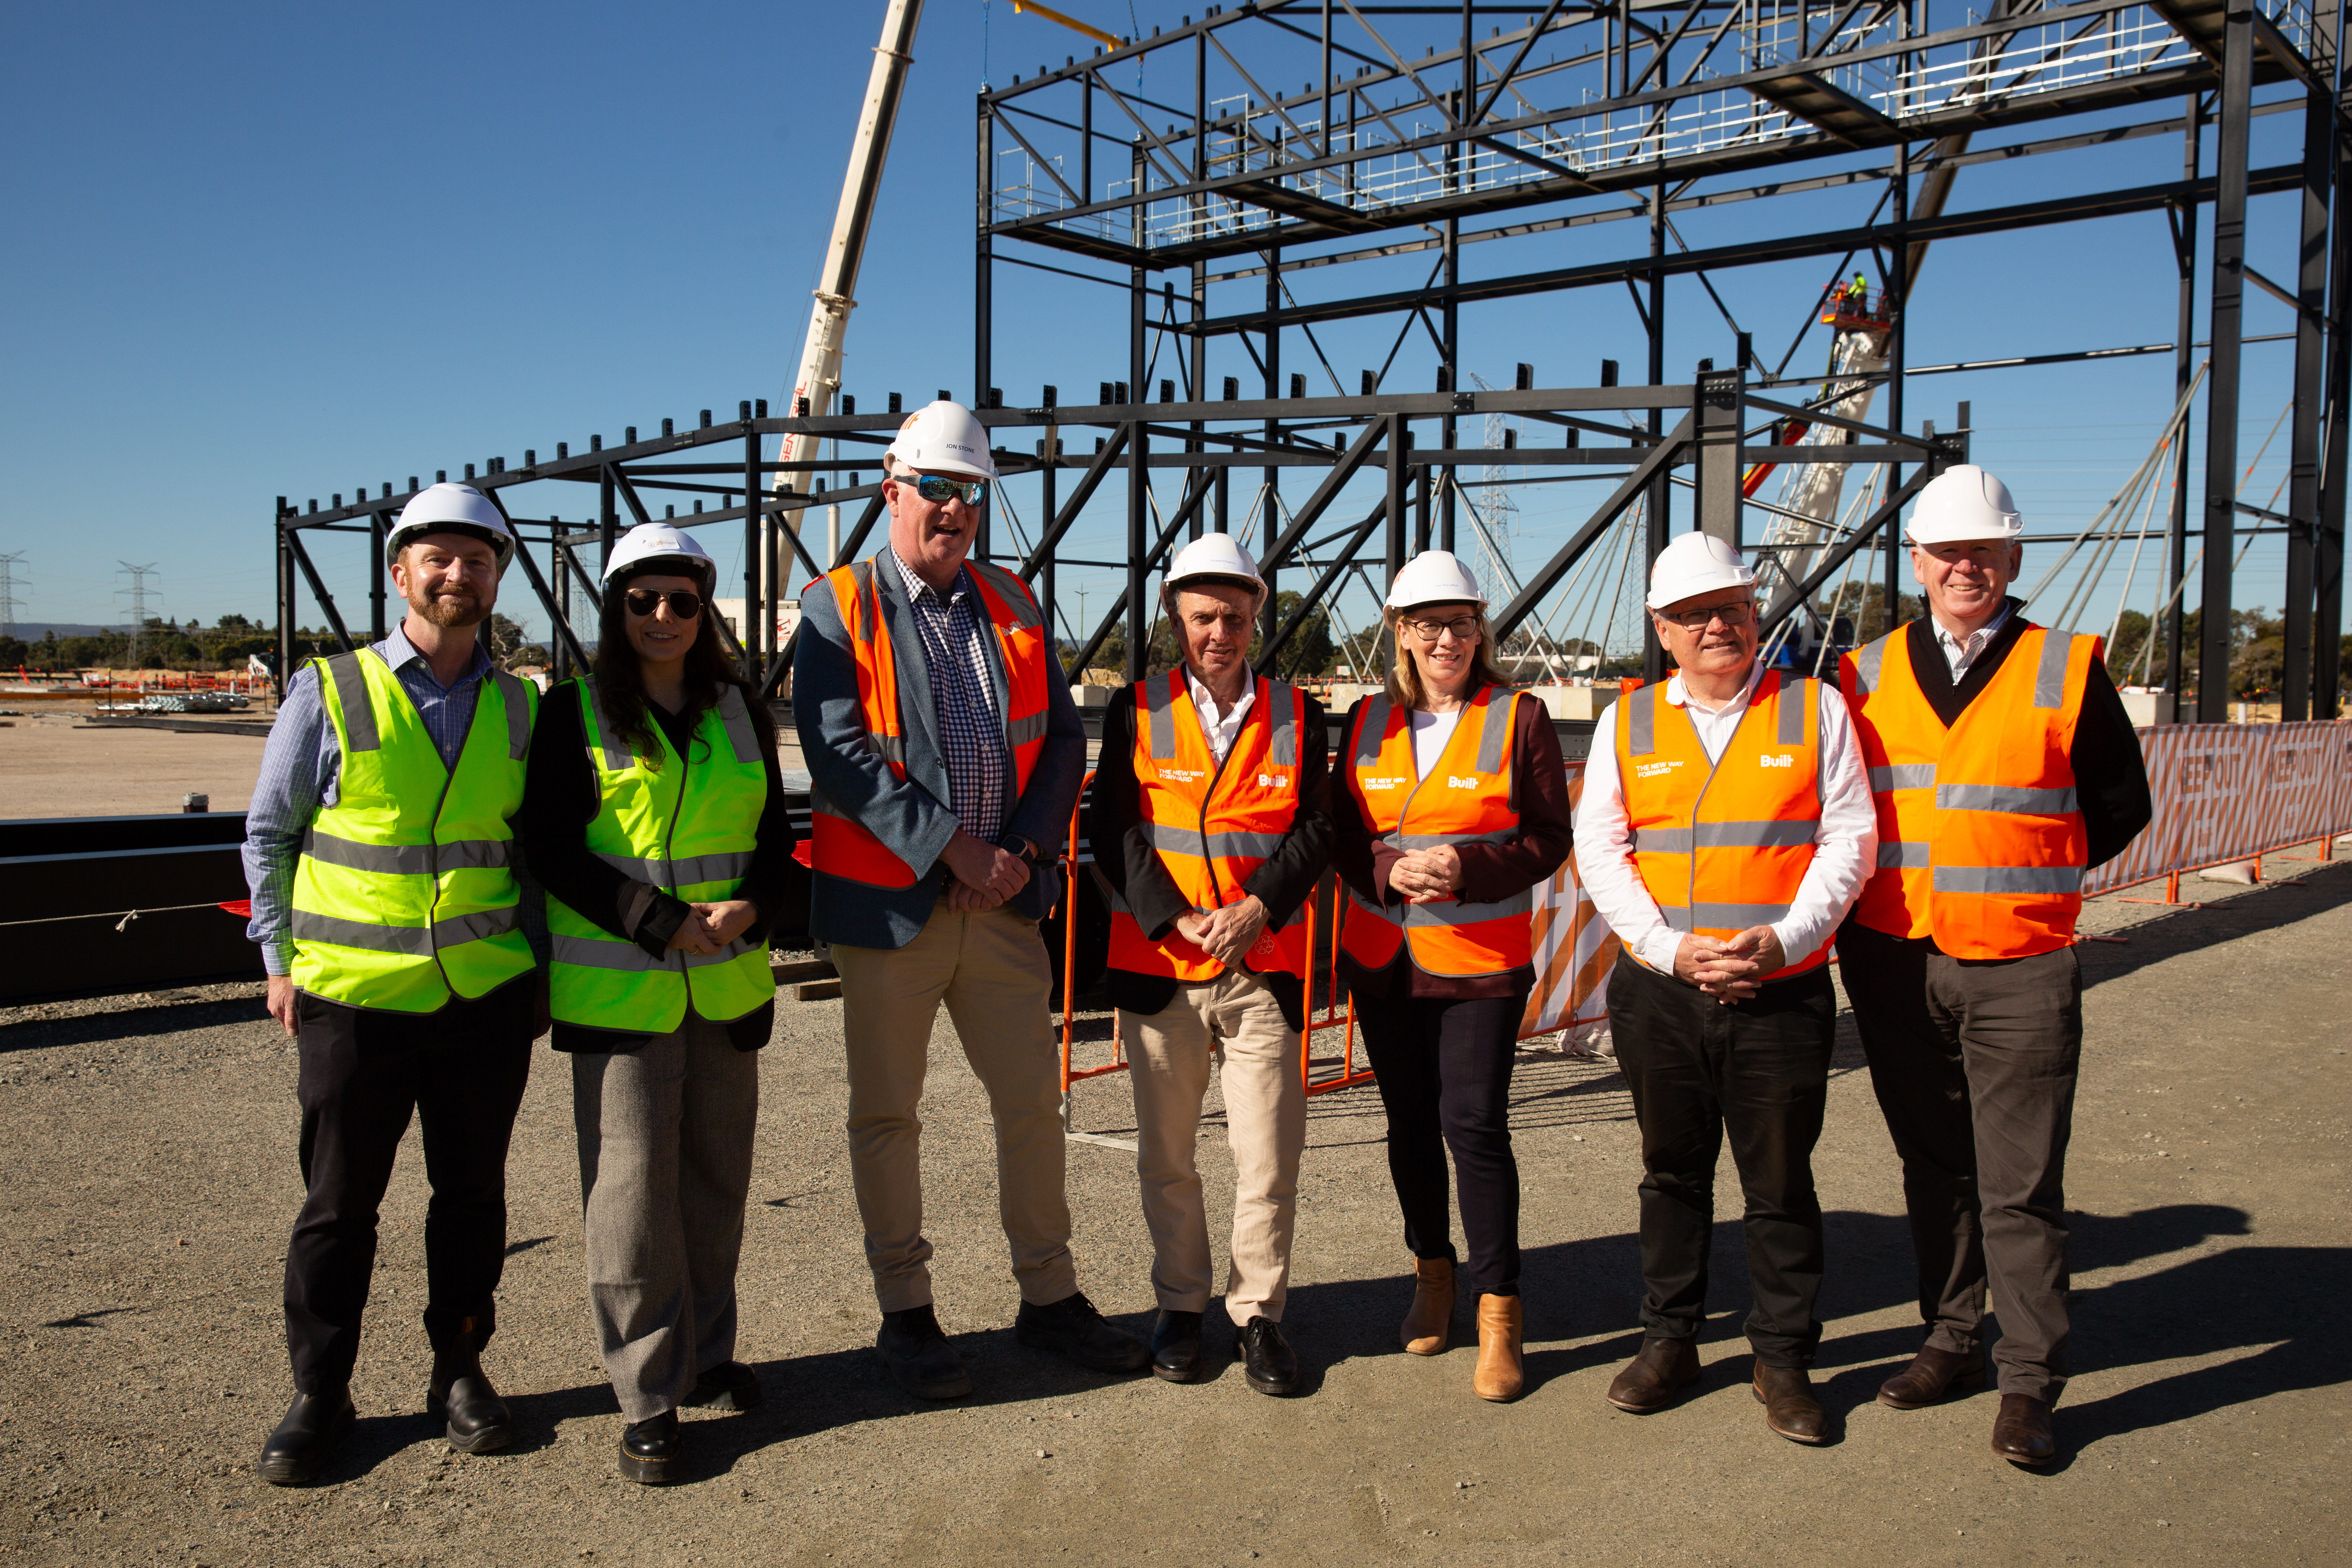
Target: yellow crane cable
1096 34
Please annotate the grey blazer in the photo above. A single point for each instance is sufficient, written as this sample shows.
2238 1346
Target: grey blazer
912 815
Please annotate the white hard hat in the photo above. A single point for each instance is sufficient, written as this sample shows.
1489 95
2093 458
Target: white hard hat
1696 563
650 542
1214 558
944 437
446 508
1964 502
1435 578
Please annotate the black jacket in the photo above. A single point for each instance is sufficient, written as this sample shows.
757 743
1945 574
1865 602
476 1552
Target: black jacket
1132 869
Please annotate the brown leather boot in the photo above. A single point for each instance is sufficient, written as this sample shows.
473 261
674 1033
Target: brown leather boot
1501 1375
1932 1374
1431 1314
1789 1408
2021 1433
1663 1369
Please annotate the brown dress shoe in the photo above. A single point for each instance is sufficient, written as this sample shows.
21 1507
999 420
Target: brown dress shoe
1932 1374
1663 1369
1789 1408
1432 1313
1501 1374
2021 1433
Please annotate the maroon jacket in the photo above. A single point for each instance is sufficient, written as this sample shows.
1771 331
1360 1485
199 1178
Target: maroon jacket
1490 872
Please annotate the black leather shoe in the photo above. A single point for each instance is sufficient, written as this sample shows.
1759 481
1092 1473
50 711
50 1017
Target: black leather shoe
917 1352
460 1395
1176 1347
652 1451
730 1386
1271 1365
1072 1327
315 1424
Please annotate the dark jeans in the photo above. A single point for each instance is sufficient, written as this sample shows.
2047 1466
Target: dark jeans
461 1072
1974 1064
1760 1070
1444 1069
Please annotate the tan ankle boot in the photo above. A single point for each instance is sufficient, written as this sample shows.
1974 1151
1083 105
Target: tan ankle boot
1500 1376
1426 1325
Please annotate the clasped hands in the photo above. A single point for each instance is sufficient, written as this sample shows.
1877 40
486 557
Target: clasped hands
981 875
709 928
1732 969
1425 876
1225 934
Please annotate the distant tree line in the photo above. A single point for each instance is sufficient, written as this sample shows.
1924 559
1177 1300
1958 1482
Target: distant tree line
225 645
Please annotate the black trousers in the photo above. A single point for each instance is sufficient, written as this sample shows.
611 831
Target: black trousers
1444 1069
461 1071
1974 1063
1760 1070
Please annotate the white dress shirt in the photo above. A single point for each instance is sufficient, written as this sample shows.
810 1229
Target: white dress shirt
1219 729
1845 849
1958 654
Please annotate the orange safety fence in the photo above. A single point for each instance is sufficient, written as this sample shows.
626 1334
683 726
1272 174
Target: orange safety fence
1070 873
2230 792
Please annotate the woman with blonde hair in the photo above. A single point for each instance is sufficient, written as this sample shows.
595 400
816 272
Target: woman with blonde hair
1454 806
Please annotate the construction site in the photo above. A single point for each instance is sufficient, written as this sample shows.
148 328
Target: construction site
1306 228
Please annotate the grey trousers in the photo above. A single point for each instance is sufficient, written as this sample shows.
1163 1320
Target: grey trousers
665 1167
1973 1063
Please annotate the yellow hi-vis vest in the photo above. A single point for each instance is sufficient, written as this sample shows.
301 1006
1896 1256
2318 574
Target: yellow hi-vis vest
405 893
687 827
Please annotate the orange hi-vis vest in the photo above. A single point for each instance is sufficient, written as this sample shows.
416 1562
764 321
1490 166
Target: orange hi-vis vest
1212 824
1982 843
840 847
1472 797
1723 846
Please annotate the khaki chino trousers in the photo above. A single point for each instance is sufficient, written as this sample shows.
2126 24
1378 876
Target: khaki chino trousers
991 970
1266 1127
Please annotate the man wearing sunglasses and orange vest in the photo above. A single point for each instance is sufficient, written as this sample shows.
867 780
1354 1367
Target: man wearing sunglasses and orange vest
1723 833
2003 766
1210 830
944 755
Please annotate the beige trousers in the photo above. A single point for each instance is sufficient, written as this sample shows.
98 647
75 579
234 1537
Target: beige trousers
992 971
1266 1127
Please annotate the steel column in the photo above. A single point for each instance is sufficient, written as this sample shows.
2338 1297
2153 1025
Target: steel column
2328 563
1653 653
2184 340
2222 386
378 573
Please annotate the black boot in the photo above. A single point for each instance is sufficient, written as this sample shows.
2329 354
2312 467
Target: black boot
730 1386
1176 1347
1268 1361
315 1424
460 1395
1074 1328
652 1451
916 1352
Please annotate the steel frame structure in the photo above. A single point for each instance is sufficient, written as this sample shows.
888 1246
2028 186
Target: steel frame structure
1235 219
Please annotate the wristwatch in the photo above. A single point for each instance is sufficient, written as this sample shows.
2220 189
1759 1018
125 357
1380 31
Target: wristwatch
1025 847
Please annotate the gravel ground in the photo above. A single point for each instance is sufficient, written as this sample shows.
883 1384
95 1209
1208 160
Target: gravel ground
147 1181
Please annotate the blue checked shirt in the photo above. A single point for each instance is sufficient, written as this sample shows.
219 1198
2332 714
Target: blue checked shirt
971 737
299 769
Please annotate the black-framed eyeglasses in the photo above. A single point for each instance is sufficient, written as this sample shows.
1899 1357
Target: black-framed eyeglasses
1737 615
1463 627
938 490
684 602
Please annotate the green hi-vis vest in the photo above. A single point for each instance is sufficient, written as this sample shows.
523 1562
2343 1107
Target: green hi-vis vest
405 893
686 827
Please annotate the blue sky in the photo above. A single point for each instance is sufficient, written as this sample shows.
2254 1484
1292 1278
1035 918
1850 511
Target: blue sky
262 250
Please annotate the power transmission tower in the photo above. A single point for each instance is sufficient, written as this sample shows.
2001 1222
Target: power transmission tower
9 606
137 592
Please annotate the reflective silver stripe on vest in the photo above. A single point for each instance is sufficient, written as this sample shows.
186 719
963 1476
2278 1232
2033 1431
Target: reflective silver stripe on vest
1794 695
2009 878
1432 840
2005 798
614 754
889 748
1373 726
1454 914
728 955
740 734
861 577
1283 748
414 942
1020 732
1903 775
359 713
1866 663
1496 736
407 859
512 698
1160 705
1641 733
1724 836
593 953
1012 591
1227 845
1721 916
1906 855
2050 676
731 866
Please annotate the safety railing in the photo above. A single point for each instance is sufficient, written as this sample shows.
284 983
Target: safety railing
1334 1015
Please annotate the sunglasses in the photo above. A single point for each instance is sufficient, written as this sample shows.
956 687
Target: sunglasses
683 603
939 490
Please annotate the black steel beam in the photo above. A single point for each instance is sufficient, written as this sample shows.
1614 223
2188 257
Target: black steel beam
2228 308
319 592
1547 577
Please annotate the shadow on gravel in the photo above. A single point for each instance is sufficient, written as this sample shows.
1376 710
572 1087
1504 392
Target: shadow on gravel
2271 907
129 1023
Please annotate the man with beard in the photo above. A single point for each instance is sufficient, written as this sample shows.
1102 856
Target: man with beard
387 906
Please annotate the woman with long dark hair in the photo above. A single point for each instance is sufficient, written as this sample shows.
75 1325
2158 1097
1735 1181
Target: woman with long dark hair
654 819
